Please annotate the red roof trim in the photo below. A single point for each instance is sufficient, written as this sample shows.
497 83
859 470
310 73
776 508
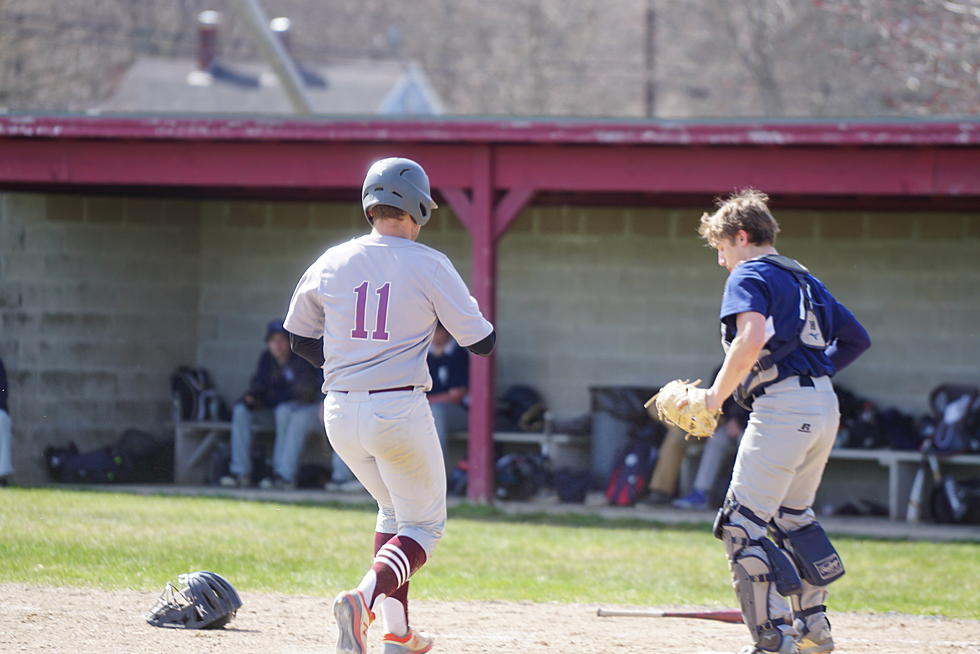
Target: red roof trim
965 132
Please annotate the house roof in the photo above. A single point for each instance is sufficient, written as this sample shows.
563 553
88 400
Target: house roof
160 85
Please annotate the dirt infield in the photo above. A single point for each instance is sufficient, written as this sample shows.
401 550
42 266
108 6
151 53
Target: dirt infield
77 620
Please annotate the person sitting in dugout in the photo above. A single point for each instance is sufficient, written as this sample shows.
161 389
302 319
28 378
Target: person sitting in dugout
449 367
6 460
284 394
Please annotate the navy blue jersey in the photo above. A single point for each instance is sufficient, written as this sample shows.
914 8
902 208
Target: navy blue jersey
773 292
295 381
451 369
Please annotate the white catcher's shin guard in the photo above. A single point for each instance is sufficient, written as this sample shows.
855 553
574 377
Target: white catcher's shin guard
750 574
754 578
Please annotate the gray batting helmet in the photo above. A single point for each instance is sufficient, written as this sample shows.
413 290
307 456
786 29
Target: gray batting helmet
400 183
206 601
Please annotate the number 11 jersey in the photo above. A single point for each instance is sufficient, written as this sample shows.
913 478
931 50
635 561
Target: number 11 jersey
375 301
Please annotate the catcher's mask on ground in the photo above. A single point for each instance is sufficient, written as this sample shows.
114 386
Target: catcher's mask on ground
205 601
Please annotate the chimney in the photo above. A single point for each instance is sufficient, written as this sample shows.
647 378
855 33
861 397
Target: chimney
207 38
280 27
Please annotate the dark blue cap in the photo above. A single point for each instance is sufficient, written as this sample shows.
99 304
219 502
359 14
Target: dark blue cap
275 327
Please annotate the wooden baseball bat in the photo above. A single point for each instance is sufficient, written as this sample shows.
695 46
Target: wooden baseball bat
726 615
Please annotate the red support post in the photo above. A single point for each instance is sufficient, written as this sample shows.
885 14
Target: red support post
507 209
486 223
458 201
481 223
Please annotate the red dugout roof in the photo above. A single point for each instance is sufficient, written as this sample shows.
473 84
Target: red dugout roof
488 170
278 157
664 132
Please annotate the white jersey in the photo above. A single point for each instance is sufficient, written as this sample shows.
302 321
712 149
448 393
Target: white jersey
375 301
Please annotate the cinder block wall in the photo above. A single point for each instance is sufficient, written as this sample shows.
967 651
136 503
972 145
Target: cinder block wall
98 302
598 296
100 298
252 255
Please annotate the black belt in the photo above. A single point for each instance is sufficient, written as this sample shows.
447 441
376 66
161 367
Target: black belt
380 390
412 388
805 381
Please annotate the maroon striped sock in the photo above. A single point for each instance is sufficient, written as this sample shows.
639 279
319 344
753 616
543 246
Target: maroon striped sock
396 559
380 538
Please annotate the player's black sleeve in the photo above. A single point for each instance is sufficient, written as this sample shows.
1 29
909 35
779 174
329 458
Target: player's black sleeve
310 349
485 347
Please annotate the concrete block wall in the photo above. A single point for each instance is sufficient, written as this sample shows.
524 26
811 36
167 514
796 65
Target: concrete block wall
252 255
98 302
100 298
600 296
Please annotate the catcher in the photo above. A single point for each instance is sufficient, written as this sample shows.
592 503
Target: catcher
784 336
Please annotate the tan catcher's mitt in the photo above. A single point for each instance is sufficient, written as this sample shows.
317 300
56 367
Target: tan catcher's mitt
694 417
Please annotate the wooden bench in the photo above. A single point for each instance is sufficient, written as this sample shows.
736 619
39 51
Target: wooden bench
848 476
562 449
901 466
193 441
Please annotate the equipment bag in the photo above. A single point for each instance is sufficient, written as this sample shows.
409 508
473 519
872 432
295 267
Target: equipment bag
146 459
194 397
955 408
520 476
68 465
956 501
631 476
572 485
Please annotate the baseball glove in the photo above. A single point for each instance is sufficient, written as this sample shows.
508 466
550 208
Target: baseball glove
694 417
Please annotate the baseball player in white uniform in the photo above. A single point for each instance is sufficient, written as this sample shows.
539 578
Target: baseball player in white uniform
365 311
785 335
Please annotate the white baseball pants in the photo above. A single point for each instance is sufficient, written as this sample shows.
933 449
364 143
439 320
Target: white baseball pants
389 441
785 447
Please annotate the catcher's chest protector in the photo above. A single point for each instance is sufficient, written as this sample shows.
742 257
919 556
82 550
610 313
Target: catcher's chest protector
765 371
811 335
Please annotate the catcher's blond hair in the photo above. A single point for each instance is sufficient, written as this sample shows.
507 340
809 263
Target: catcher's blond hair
745 209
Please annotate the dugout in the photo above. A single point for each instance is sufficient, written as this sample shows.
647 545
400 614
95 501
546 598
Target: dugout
130 245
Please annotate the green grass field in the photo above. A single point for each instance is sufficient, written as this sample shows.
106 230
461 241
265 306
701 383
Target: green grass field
108 540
